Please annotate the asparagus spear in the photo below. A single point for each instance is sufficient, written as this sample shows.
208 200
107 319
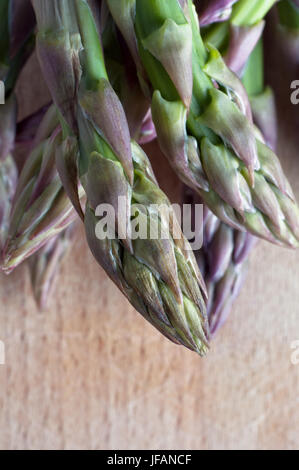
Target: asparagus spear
15 47
237 38
44 265
223 260
8 179
226 267
240 41
123 77
122 74
203 121
41 209
224 256
8 169
159 276
262 99
17 40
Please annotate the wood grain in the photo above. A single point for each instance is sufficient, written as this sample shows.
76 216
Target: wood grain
90 373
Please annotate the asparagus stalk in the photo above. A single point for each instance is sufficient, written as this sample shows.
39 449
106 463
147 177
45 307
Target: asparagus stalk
237 37
159 276
262 99
28 128
41 209
226 257
8 180
122 75
15 47
223 259
8 169
246 27
205 130
242 46
16 42
44 266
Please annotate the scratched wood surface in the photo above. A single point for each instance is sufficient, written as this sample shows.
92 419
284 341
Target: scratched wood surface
90 373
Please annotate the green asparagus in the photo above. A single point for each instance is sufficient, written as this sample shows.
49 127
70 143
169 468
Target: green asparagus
203 121
159 276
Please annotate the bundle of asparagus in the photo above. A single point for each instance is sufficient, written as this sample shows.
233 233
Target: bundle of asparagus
125 71
159 276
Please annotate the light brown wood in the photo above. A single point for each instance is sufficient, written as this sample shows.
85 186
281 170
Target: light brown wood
90 373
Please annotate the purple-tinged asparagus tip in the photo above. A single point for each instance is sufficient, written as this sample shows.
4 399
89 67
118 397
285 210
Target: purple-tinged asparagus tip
148 130
243 40
213 11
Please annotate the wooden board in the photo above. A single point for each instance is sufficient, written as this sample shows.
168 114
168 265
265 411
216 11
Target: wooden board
90 373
